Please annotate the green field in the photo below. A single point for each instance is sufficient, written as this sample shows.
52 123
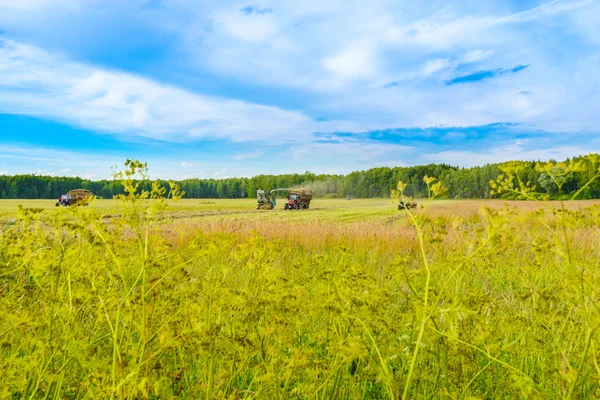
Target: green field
350 299
238 207
321 209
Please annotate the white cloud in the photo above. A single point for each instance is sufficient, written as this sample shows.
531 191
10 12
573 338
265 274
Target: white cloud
186 164
434 66
36 83
445 29
552 7
251 28
477 55
356 60
57 158
350 152
345 51
510 152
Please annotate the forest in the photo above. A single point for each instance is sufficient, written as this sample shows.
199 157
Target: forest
465 183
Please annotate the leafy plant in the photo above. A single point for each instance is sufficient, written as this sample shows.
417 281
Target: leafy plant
431 303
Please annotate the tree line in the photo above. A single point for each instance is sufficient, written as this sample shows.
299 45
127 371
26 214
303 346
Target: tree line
465 183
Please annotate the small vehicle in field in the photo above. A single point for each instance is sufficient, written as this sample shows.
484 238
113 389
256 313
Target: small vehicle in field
298 199
264 200
406 205
80 197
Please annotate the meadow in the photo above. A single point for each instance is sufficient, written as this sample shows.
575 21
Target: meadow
149 298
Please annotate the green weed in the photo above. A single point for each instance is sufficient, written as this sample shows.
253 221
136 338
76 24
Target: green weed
414 304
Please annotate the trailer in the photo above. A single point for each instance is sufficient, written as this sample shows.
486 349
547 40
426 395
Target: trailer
79 197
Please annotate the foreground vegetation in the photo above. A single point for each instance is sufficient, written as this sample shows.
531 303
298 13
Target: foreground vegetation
449 301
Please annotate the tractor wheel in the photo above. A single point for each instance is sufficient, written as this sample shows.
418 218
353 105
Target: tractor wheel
57 204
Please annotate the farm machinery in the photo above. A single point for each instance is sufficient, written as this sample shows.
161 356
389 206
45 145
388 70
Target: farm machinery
75 197
296 199
264 200
406 204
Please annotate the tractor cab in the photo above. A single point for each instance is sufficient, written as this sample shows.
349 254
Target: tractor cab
65 200
293 202
260 196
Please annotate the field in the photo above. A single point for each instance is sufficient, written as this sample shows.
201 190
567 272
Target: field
350 299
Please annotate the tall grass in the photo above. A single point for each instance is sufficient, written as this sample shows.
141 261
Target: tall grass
498 304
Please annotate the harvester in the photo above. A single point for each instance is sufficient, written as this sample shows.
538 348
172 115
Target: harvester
79 197
266 201
298 199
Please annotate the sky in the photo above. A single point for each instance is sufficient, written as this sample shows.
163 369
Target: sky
219 88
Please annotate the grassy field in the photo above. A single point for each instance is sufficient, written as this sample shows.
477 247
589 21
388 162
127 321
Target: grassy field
350 299
336 210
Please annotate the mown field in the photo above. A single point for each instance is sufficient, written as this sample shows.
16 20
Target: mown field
350 299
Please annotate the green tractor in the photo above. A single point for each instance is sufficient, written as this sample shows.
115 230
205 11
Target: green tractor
264 200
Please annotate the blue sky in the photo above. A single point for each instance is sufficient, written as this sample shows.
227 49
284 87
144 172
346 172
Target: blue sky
238 88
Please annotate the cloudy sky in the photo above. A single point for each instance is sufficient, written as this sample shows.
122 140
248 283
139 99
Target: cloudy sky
217 88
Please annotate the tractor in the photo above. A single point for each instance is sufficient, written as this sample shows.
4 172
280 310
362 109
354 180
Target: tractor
79 197
406 204
298 199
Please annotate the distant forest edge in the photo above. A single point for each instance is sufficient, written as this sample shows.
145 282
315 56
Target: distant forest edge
462 183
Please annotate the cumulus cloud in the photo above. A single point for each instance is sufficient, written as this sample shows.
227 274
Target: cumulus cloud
330 58
356 60
37 83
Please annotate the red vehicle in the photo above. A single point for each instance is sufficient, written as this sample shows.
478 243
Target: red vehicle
77 196
298 200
